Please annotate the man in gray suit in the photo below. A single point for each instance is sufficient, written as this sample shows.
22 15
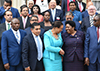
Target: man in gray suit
3 27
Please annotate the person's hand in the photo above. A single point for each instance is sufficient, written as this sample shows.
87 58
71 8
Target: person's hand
87 61
62 52
27 69
8 7
6 66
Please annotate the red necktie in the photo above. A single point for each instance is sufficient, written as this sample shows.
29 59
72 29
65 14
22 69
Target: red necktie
98 33
80 7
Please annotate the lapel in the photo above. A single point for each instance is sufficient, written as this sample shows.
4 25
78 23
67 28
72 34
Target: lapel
33 40
56 14
21 22
51 15
27 22
4 26
88 21
93 29
20 36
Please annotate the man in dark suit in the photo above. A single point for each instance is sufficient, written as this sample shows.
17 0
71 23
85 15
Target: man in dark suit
11 47
24 19
32 49
80 6
92 46
69 17
56 14
7 6
4 27
88 21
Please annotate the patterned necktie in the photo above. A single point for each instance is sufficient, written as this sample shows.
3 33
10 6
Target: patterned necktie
17 37
80 7
8 26
91 21
39 48
98 33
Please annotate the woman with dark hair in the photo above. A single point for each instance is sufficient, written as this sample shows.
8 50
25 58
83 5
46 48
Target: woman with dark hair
73 45
46 24
35 10
53 51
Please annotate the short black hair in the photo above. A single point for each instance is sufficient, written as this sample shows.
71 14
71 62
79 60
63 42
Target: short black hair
45 12
34 24
72 2
34 16
57 24
7 11
37 7
9 1
71 23
23 6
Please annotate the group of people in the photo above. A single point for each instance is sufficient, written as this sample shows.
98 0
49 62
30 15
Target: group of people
52 40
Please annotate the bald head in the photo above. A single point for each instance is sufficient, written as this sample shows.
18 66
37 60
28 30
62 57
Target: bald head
15 24
88 4
91 10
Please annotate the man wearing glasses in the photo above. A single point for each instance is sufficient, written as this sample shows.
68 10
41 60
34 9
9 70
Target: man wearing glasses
69 17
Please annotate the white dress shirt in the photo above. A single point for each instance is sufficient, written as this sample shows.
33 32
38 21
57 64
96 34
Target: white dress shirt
53 13
15 34
41 44
7 25
99 33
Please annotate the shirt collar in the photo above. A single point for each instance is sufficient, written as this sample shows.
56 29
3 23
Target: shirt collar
15 31
7 22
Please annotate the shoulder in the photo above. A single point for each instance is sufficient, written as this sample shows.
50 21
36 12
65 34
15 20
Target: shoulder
78 12
59 10
22 31
2 7
47 33
83 3
12 8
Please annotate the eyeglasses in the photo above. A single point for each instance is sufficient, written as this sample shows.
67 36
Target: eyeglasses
95 20
69 18
34 20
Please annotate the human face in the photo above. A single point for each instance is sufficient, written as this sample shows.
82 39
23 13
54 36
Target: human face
35 9
52 4
31 4
24 12
69 28
91 10
33 20
6 5
96 21
58 30
8 16
72 6
36 30
69 18
46 16
15 24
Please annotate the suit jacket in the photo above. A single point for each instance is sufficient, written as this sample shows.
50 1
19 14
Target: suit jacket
11 50
14 11
21 23
59 13
85 24
29 51
73 45
78 26
92 46
77 7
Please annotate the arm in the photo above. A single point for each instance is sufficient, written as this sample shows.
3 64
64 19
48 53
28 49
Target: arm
17 15
80 18
2 11
48 46
25 53
4 48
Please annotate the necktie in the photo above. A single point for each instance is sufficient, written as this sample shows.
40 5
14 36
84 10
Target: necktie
17 37
39 48
24 23
91 21
8 26
80 7
98 33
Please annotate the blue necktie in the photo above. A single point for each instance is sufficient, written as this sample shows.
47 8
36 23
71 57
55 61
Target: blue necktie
38 48
17 37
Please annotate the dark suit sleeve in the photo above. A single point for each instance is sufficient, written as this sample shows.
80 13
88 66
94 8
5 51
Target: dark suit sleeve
2 11
4 48
25 52
86 45
61 15
63 5
17 14
82 26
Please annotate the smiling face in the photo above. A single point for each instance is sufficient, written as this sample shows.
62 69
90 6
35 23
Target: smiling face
35 9
72 6
52 4
69 28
